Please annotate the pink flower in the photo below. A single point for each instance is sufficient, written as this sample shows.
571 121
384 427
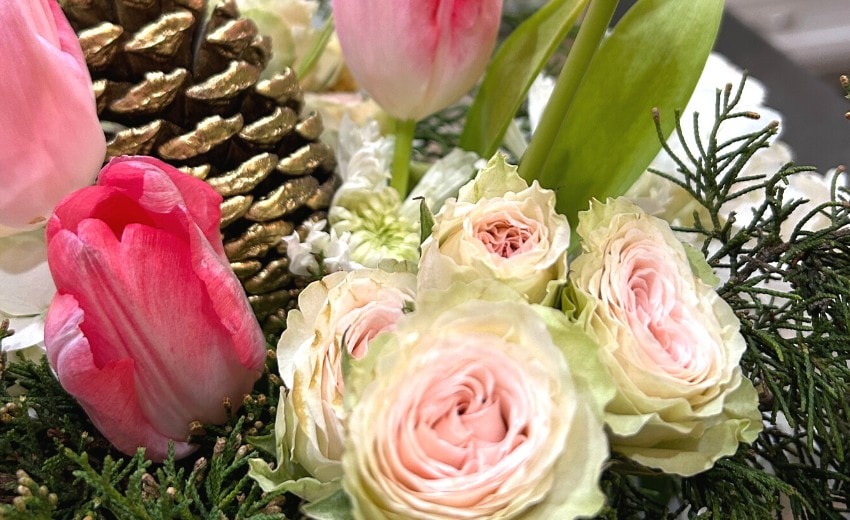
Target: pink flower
416 57
670 343
467 409
150 329
340 313
51 142
499 229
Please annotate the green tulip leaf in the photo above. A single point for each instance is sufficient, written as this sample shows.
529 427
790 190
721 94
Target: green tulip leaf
652 59
519 60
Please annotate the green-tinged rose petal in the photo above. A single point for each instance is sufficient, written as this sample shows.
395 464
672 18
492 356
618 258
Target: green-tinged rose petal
582 353
306 488
499 229
455 373
739 422
671 345
700 267
494 180
336 506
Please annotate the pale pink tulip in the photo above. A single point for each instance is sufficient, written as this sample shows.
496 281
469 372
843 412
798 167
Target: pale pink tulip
416 57
51 142
150 329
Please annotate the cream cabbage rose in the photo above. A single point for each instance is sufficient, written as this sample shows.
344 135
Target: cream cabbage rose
339 313
499 228
671 344
484 420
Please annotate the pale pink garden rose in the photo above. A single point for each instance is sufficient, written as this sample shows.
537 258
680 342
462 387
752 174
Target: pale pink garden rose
336 316
51 142
501 229
416 57
150 330
671 344
469 410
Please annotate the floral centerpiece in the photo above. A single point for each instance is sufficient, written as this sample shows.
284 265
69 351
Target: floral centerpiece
493 261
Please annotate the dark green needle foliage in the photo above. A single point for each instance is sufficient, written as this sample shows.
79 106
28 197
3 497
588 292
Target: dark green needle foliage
790 288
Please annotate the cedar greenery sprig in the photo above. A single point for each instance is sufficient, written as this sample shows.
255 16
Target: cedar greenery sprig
54 463
791 293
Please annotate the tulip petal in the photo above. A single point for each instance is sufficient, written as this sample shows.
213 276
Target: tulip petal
51 142
140 256
418 56
156 194
116 412
142 295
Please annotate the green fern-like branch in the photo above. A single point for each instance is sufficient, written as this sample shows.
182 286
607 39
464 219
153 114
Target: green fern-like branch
791 292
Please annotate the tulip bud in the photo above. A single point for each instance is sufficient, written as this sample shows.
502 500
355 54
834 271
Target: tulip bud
150 330
51 142
416 57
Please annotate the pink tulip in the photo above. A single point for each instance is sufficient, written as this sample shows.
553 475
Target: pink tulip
416 57
51 142
150 329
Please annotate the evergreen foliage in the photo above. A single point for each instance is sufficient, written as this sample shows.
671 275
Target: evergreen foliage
54 463
791 294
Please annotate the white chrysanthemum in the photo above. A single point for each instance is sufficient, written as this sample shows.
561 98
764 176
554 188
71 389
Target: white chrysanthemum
378 235
379 228
318 246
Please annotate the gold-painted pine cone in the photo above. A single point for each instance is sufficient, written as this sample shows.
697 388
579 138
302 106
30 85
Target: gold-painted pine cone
194 99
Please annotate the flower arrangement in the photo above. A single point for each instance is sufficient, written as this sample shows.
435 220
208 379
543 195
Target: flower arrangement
482 292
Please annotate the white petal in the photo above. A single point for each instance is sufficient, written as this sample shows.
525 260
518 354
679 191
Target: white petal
26 286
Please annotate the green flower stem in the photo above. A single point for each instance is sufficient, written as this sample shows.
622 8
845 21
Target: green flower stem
316 50
589 36
401 154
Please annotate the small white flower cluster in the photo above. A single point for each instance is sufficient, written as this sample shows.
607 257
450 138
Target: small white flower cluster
304 255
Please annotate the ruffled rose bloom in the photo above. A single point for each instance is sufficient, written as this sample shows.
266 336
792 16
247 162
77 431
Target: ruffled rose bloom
470 411
499 228
671 344
340 313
